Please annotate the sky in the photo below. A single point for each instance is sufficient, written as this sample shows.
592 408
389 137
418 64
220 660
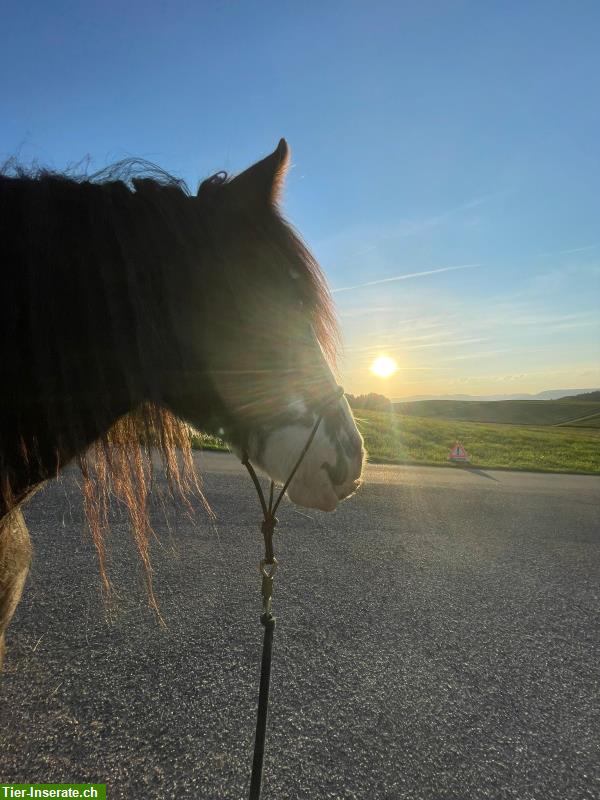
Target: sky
445 157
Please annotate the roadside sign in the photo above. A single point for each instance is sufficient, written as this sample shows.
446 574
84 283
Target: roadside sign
458 453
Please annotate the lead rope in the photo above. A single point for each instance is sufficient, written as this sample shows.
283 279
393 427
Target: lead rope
268 567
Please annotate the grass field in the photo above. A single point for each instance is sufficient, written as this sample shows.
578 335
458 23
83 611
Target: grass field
512 412
592 421
398 439
203 441
394 438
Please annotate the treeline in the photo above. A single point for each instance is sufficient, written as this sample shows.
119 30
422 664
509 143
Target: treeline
584 396
371 401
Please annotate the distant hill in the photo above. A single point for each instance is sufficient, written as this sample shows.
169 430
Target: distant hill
585 396
549 394
579 413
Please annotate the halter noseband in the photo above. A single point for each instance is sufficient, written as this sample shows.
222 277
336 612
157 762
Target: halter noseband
269 518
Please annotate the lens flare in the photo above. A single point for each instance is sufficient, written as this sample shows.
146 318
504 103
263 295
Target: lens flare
384 367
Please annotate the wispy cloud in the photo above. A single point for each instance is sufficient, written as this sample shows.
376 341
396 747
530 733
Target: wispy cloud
358 254
578 249
406 327
542 322
447 343
537 319
350 313
397 348
405 277
361 240
404 369
567 326
569 251
411 227
401 342
474 356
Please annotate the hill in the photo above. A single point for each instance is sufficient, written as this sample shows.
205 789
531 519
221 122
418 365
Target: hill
548 394
508 412
595 395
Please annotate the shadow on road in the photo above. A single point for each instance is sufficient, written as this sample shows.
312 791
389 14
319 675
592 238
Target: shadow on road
479 472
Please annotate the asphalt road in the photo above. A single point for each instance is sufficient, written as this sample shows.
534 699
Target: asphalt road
437 637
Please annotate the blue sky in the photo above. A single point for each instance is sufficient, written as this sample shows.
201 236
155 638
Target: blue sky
425 136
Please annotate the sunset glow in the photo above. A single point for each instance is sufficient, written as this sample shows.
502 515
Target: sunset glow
384 367
457 234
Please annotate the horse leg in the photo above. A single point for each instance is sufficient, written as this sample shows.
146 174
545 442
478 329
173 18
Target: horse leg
15 558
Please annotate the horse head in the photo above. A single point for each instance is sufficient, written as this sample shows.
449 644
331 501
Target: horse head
256 338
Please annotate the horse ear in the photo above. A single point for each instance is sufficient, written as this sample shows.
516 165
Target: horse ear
263 181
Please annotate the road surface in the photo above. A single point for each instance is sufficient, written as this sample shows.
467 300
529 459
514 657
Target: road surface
437 637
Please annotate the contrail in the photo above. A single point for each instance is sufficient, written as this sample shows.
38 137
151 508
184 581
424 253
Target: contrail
405 277
567 252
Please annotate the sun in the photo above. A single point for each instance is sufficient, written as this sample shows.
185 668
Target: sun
384 367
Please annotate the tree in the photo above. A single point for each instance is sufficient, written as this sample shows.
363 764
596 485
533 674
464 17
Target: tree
371 401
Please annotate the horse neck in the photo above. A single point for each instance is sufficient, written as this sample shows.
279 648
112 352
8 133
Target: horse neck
80 356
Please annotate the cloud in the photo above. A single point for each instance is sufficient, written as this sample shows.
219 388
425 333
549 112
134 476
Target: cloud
552 320
566 326
363 312
563 278
405 277
487 354
569 251
413 227
447 343
360 240
535 318
578 249
402 370
406 327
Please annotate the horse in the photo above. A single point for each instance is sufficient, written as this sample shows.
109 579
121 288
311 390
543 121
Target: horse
133 310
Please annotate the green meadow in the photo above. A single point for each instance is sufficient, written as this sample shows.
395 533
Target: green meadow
512 412
393 438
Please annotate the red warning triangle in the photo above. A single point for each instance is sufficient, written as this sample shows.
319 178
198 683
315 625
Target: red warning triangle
458 453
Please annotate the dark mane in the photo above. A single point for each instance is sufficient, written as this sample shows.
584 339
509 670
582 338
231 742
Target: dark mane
310 280
140 175
124 171
95 256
